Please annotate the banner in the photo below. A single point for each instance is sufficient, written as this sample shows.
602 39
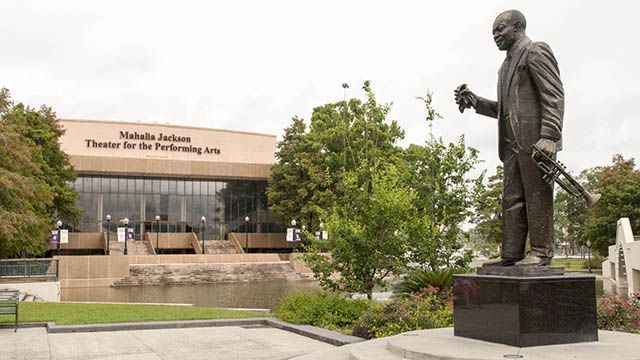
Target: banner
121 234
130 234
289 234
54 236
64 236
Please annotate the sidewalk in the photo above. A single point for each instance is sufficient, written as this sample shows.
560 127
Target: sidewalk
229 342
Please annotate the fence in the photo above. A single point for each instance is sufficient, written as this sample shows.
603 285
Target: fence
29 269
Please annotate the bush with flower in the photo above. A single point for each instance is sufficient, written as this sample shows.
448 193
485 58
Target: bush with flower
617 314
428 308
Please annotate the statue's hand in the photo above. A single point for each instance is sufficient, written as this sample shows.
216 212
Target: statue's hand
547 146
465 98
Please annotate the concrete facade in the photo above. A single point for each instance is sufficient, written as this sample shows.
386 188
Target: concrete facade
621 270
159 149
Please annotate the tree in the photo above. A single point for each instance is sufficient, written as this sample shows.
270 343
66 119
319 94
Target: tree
389 207
619 185
367 241
486 237
34 177
438 174
343 138
570 212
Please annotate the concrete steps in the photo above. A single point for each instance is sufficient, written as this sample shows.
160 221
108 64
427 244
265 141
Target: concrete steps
219 247
202 273
133 248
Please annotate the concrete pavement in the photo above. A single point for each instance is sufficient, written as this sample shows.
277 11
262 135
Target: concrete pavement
441 344
224 343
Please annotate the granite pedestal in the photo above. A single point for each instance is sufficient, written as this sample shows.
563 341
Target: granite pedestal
525 310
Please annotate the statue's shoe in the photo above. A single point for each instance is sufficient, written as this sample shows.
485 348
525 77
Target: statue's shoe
500 262
533 260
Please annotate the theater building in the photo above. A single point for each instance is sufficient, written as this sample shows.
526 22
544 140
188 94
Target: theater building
177 174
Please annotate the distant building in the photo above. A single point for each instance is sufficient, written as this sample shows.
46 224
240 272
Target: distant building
179 173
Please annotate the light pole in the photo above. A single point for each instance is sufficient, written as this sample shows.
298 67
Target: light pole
589 255
293 243
125 221
58 226
157 232
246 234
108 236
203 220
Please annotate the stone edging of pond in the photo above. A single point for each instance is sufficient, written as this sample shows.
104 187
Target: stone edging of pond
324 335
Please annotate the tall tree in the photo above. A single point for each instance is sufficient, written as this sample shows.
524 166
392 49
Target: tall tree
438 174
570 212
34 178
487 216
619 185
367 238
390 207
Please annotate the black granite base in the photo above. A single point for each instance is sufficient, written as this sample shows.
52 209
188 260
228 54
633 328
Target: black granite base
525 311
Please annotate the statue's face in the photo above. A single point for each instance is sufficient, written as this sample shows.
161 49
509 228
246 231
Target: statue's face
504 32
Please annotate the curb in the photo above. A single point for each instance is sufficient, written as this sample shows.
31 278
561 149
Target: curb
316 333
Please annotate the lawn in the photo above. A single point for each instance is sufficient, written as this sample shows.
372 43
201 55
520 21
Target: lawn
75 313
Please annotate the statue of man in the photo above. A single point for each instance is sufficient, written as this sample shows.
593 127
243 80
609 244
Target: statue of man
529 110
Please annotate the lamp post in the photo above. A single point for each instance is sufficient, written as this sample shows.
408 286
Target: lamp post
293 243
125 221
157 232
203 220
108 236
589 255
58 226
246 234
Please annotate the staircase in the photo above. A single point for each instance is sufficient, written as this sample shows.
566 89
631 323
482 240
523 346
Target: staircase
133 248
219 247
197 273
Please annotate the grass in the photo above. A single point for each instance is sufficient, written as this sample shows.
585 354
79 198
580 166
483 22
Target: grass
74 313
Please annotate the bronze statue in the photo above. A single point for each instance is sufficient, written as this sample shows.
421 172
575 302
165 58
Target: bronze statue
529 110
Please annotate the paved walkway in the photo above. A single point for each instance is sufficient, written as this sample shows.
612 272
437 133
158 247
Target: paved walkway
229 342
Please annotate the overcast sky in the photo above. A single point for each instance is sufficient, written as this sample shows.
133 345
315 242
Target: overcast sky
252 65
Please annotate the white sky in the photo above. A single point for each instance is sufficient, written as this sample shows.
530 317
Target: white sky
252 65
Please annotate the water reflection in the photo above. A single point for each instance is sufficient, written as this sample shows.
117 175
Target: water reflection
237 295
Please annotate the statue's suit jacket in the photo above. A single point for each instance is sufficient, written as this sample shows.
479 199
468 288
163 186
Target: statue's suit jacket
534 98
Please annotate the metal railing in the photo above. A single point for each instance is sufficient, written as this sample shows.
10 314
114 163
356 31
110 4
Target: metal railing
29 269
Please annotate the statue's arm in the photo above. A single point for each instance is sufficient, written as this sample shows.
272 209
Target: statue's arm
546 75
486 107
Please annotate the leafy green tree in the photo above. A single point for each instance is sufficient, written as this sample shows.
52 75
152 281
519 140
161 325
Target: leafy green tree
438 174
384 207
343 137
34 177
487 217
619 185
366 235
570 212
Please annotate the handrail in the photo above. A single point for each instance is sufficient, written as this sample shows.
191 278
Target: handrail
29 268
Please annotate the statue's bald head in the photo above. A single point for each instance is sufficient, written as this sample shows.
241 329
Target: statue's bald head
508 28
514 16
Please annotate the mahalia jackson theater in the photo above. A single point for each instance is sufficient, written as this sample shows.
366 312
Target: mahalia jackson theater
169 181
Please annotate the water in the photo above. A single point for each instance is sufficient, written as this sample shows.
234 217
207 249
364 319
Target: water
263 295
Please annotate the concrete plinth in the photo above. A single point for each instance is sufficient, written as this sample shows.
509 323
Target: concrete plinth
525 311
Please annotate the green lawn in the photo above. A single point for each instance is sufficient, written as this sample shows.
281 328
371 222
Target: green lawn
73 313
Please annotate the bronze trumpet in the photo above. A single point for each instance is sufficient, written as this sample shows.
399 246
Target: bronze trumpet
555 171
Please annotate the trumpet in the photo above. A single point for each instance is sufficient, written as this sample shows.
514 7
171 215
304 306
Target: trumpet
555 171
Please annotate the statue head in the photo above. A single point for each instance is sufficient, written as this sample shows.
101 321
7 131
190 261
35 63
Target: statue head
508 28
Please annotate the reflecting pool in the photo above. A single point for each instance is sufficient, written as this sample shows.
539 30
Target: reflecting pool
263 295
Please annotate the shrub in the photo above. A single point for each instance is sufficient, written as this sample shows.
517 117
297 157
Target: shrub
427 309
616 314
326 310
416 280
596 262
